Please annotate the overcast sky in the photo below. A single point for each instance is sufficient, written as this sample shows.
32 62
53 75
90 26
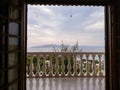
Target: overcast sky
54 24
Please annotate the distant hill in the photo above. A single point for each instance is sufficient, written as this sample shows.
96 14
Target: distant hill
50 48
46 46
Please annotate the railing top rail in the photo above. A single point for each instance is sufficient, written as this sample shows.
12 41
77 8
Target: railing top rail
37 53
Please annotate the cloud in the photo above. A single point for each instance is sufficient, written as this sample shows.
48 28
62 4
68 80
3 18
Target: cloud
52 24
95 27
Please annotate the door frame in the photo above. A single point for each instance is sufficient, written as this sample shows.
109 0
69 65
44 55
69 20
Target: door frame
109 44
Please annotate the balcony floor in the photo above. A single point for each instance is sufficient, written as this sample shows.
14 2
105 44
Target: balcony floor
66 83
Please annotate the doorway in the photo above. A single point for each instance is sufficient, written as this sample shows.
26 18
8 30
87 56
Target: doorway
44 27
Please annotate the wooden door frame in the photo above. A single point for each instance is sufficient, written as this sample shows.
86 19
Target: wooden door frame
109 48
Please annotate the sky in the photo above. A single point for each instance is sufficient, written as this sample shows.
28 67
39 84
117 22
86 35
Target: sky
70 24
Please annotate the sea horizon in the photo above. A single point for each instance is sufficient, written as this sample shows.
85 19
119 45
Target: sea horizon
52 47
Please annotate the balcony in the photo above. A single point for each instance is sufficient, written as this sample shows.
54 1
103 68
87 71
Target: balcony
76 70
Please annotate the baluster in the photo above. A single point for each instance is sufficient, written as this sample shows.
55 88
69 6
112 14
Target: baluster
87 66
51 68
69 65
74 66
93 66
57 73
47 64
100 68
104 65
81 65
26 71
63 66
31 67
44 66
38 67
41 67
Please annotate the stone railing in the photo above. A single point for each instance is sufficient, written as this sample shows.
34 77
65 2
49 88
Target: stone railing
60 64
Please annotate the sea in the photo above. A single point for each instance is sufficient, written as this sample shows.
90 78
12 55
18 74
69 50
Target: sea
53 48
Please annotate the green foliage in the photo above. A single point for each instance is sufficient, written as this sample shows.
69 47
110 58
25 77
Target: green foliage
28 61
65 48
96 61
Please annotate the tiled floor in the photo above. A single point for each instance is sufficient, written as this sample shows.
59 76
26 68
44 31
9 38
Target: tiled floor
68 83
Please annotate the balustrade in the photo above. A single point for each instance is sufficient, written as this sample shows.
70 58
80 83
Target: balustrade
60 64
